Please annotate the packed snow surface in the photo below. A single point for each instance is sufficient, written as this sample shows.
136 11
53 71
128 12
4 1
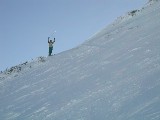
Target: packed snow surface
115 75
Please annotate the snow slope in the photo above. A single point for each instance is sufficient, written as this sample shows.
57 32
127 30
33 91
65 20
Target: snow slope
115 75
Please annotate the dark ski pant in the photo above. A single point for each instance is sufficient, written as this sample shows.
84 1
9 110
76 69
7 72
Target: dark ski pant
50 50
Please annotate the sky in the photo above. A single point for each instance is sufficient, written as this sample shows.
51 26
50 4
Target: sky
25 25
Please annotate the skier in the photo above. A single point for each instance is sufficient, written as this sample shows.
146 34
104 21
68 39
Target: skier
50 42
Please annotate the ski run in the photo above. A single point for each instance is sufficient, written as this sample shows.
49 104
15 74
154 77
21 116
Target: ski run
114 75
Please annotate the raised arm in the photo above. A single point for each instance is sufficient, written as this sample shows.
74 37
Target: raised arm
48 39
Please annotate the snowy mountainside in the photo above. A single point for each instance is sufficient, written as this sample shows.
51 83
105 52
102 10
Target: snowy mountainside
115 75
21 68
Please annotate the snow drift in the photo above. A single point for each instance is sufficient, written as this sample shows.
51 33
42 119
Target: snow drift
115 75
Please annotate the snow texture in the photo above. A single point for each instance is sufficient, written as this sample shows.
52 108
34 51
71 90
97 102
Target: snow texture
115 75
